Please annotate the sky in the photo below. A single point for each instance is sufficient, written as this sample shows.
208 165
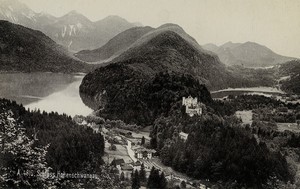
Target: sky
273 23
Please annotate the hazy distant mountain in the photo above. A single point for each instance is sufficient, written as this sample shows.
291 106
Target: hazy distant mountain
114 47
248 54
24 49
16 12
131 38
73 30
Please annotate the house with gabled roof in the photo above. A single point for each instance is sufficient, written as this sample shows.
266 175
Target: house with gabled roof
143 153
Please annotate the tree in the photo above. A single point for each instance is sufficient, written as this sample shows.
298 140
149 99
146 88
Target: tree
136 180
163 183
151 178
154 179
122 176
183 184
112 147
143 140
113 163
22 164
106 179
153 142
142 173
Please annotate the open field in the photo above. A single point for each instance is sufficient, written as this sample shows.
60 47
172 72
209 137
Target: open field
141 134
121 152
246 116
288 126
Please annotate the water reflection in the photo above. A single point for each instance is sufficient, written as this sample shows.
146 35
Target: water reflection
65 101
45 91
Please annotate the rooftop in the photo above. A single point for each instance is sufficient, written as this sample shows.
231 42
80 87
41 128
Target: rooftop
118 161
142 149
127 168
183 134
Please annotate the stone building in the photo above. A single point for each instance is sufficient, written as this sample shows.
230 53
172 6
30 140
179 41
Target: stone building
192 106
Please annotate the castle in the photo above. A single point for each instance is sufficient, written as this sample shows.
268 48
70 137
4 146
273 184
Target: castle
192 106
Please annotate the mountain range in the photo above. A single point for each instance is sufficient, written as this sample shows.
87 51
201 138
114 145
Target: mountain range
247 54
26 50
73 30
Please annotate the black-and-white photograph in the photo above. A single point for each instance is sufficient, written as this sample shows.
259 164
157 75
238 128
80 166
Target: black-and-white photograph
150 94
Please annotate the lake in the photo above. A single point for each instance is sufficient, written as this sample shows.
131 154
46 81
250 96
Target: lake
266 91
45 91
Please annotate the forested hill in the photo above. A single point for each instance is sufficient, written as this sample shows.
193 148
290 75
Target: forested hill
169 51
27 50
291 72
125 94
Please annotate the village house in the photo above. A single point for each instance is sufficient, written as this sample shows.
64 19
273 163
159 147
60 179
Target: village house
143 153
136 165
124 132
125 168
192 106
118 163
183 135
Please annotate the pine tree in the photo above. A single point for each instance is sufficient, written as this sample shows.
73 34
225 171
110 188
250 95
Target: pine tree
153 142
122 176
143 140
150 178
132 175
142 173
183 184
22 164
154 179
105 179
163 183
136 180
